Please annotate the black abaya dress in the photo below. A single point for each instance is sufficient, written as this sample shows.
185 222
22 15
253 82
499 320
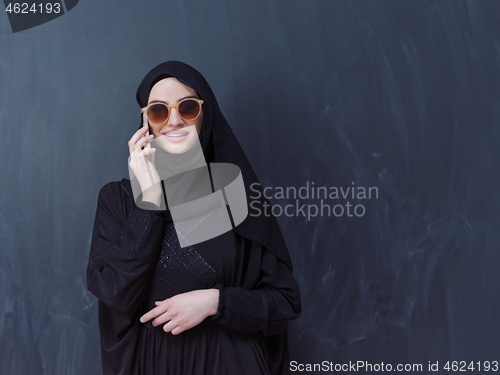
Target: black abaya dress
135 260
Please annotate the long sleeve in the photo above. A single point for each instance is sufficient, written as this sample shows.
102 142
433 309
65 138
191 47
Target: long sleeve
269 304
126 242
125 245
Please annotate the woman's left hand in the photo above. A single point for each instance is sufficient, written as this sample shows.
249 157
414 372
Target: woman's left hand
184 311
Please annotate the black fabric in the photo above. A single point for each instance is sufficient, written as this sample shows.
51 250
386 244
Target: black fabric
225 148
127 272
135 259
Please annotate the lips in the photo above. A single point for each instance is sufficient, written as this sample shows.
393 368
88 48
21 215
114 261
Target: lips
174 132
176 135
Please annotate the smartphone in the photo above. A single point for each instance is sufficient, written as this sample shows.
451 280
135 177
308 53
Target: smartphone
147 144
145 121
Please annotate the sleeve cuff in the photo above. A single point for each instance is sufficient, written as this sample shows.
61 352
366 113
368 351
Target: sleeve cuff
220 306
149 206
239 309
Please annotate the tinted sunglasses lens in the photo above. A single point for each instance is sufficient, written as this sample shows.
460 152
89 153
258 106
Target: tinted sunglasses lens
189 109
157 113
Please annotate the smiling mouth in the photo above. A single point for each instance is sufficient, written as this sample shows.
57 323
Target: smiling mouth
176 135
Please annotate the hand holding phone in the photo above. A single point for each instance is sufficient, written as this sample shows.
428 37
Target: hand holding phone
142 163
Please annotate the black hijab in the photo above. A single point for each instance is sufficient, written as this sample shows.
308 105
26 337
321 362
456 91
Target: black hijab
221 146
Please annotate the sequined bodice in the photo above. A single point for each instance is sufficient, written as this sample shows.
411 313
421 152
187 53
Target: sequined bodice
179 270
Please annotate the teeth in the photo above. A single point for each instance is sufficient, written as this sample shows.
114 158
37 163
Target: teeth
176 135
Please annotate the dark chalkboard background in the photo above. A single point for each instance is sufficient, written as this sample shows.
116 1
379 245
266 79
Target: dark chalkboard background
399 95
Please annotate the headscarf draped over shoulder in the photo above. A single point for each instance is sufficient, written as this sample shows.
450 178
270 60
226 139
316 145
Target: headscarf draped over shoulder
221 146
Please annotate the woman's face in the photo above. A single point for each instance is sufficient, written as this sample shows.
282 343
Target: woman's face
183 133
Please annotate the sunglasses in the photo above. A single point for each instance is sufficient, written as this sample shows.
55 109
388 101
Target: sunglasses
158 113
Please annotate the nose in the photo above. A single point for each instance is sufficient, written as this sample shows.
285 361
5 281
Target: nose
174 120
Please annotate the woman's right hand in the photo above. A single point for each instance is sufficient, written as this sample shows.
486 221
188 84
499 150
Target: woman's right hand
142 166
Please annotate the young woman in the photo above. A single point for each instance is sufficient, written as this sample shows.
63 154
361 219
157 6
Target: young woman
220 306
